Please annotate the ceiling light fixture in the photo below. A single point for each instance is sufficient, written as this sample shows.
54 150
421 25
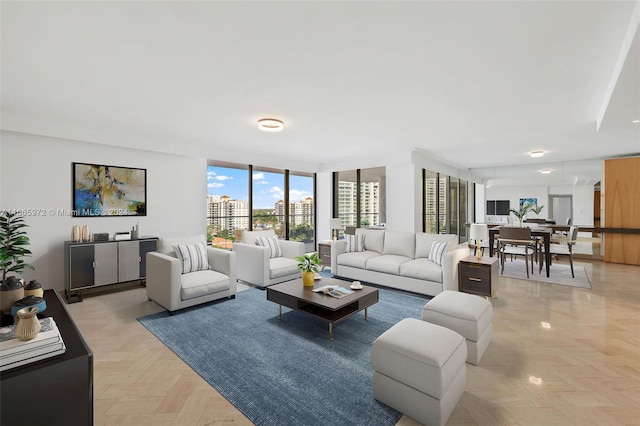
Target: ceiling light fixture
545 171
635 121
535 154
270 125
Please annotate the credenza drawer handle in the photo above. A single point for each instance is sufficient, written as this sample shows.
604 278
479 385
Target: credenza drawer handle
475 279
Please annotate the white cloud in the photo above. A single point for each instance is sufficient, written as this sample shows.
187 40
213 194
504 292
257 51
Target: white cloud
211 174
215 185
276 192
298 195
222 177
257 176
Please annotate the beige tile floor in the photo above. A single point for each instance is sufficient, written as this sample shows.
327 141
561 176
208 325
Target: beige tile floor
559 356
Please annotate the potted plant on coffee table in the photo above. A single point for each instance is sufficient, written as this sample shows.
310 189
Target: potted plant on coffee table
309 264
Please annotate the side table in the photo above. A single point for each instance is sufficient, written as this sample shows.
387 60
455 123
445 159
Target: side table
478 276
324 252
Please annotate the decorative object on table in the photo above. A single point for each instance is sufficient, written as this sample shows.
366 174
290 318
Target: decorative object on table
10 291
100 237
75 234
135 231
86 233
27 302
356 285
16 351
120 236
479 232
28 325
521 212
309 264
33 288
335 224
101 190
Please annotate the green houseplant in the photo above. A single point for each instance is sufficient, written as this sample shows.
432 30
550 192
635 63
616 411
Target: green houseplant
537 210
13 247
521 212
309 264
13 244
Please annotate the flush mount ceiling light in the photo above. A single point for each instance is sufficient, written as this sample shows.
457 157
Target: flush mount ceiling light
536 154
545 171
270 125
635 121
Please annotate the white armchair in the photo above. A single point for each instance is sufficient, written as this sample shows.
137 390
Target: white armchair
256 265
170 288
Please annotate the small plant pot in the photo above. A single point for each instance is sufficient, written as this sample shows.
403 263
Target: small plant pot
308 279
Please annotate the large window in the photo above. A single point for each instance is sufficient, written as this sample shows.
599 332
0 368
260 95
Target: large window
359 197
236 202
445 204
227 204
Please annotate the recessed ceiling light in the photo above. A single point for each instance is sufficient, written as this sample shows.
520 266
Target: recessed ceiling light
545 171
635 121
270 125
536 154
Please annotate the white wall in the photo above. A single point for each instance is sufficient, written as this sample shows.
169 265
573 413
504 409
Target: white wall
35 172
582 200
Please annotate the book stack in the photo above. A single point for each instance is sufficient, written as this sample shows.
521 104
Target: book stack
14 352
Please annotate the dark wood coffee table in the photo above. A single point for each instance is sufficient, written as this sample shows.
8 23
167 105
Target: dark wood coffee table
294 295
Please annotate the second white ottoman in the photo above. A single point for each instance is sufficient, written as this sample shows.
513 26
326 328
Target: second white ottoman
467 314
419 370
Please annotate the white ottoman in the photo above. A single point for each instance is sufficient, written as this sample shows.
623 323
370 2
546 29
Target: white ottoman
466 314
419 370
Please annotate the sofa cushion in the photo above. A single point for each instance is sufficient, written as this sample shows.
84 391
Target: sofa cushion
192 256
400 243
272 244
165 244
373 239
356 260
281 266
422 269
354 243
425 241
387 263
438 249
201 283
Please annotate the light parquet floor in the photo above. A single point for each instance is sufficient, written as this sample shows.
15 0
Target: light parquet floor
559 356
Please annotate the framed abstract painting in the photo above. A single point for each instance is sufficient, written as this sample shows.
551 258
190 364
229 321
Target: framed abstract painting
101 190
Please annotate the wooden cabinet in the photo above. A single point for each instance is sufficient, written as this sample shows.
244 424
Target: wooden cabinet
93 264
324 252
478 276
56 390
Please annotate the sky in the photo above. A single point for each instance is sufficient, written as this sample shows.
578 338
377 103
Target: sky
268 188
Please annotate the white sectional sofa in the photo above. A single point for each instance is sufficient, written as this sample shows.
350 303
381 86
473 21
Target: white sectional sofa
399 260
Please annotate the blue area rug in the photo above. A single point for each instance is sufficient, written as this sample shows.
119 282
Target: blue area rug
286 372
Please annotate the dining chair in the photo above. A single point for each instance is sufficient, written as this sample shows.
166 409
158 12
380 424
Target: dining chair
564 249
516 242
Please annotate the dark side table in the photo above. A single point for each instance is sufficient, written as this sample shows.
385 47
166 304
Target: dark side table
478 276
54 391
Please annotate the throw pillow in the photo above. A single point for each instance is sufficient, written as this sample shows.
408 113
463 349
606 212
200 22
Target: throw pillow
193 257
438 249
355 243
272 243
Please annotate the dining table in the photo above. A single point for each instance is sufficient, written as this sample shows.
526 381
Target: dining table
545 233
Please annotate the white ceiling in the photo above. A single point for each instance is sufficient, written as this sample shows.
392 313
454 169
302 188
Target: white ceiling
478 84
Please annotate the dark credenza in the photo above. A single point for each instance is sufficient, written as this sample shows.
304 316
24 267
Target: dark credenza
54 391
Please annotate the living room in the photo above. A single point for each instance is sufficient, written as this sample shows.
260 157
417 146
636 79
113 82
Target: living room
39 142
